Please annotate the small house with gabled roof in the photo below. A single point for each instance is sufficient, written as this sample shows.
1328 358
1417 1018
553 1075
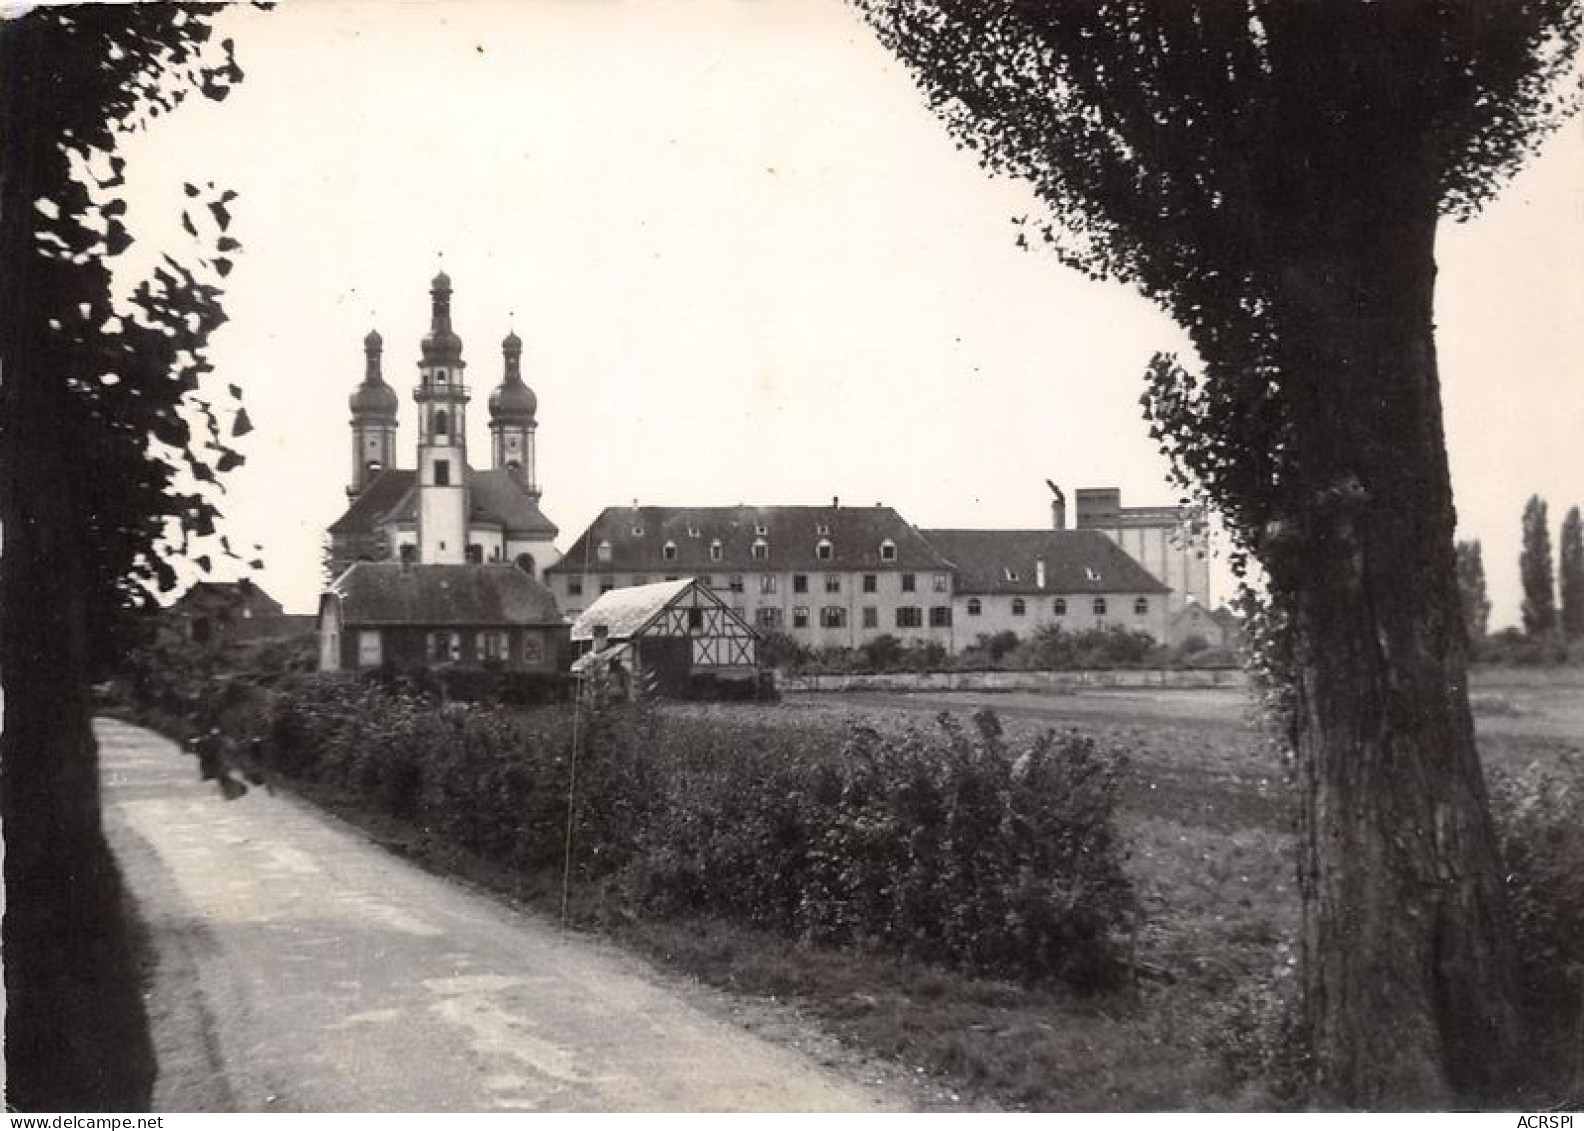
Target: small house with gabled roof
429 616
666 634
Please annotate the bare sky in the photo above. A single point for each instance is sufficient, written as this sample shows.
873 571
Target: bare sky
748 266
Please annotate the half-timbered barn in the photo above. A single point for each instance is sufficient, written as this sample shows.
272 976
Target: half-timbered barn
669 636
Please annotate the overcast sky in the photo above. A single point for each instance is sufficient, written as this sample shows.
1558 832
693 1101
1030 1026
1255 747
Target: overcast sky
748 266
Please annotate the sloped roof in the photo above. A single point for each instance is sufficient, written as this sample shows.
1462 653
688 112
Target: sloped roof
638 536
243 592
1007 561
485 595
495 495
624 612
499 495
378 498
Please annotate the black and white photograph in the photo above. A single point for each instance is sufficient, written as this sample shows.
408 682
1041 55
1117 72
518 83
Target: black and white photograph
855 556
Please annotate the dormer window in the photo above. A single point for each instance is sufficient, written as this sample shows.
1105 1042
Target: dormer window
1009 574
637 531
1091 573
715 550
603 551
693 531
761 529
822 529
888 551
761 549
823 550
669 551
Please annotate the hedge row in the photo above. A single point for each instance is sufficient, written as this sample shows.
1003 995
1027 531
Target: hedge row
943 846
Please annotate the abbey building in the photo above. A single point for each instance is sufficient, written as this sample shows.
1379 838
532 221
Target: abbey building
443 511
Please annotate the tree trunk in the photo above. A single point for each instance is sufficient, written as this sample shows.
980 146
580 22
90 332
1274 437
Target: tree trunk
1408 963
75 1031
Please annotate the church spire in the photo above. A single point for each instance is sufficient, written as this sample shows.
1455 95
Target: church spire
373 405
512 408
442 397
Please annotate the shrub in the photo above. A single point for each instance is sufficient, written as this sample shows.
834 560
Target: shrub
940 845
1539 817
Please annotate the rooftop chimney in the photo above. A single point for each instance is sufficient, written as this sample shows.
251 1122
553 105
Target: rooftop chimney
1058 508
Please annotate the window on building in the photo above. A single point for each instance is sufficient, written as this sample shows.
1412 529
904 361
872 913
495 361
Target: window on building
888 551
761 549
941 583
408 553
871 583
603 551
974 606
475 553
768 617
442 423
669 551
1141 606
693 531
1019 606
823 550
442 472
833 616
735 584
445 647
1059 606
574 586
940 616
1009 574
532 648
833 583
715 550
871 617
1091 573
767 583
1099 606
440 376
800 583
909 616
370 654
607 584
493 645
909 582
695 620
799 616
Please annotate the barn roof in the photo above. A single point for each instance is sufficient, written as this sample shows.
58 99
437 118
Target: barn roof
638 537
485 595
1007 561
625 612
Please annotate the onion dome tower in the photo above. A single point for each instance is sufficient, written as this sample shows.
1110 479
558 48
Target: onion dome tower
373 406
442 396
512 407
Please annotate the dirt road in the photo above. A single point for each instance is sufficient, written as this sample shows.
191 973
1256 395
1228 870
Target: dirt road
304 969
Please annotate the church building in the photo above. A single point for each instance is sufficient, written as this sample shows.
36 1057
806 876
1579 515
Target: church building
444 511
